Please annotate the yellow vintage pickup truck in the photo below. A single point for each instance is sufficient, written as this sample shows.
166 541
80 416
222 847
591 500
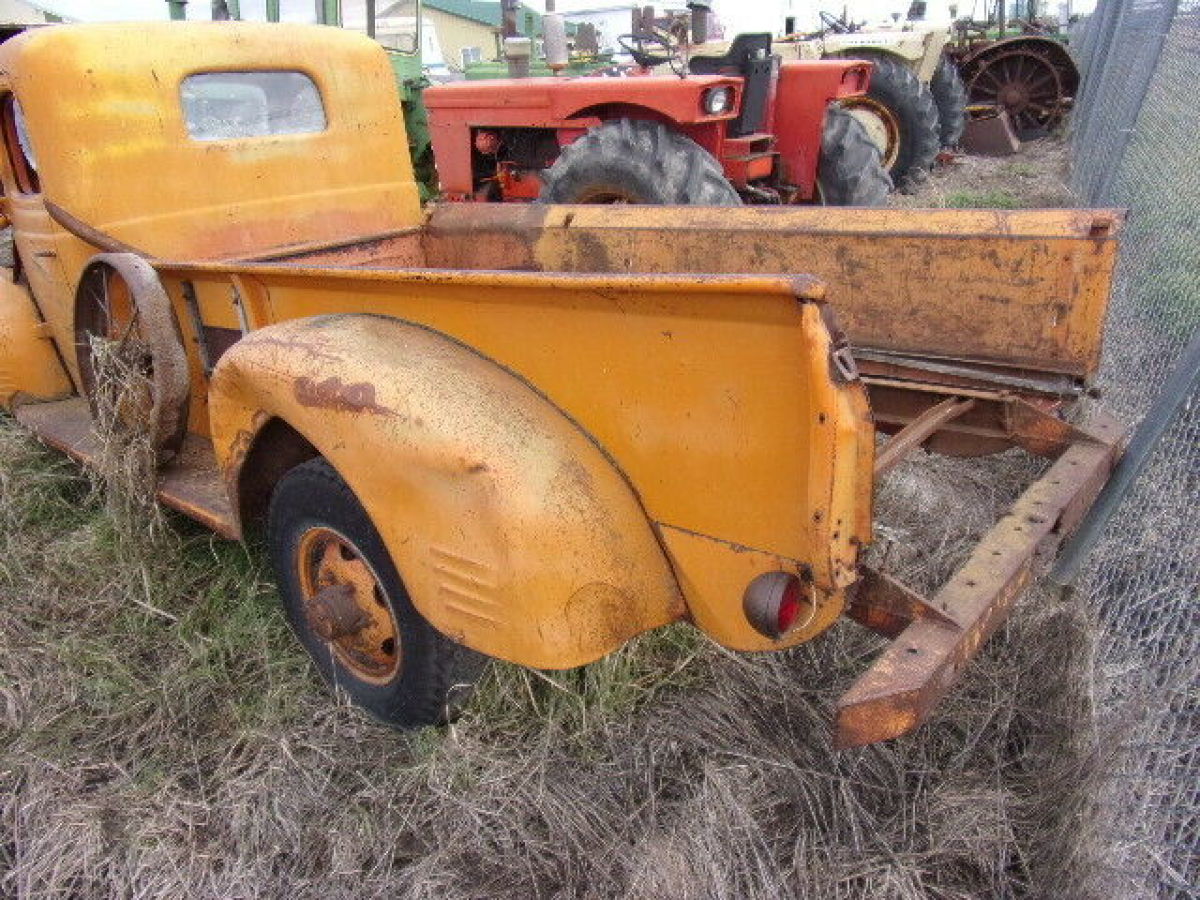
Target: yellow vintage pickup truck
528 432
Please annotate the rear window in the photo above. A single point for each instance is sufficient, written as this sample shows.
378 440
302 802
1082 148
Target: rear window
218 106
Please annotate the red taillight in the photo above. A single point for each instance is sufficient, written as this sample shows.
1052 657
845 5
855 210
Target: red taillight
774 601
789 605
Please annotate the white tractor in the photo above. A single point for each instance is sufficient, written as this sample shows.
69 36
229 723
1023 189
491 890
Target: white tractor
916 105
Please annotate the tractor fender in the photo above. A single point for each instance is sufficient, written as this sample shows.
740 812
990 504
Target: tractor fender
513 531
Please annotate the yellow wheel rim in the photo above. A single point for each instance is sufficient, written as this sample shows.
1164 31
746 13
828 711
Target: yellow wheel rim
346 605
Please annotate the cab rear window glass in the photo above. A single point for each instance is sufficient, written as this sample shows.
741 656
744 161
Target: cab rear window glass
219 106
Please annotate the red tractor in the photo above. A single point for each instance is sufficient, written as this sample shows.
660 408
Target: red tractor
742 127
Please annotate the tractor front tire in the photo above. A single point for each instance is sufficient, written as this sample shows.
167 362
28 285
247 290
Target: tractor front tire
350 610
851 171
950 96
906 116
636 161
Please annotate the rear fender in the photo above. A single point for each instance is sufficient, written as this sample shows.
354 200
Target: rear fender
513 531
805 89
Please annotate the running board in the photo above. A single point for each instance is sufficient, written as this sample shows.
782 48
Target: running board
190 483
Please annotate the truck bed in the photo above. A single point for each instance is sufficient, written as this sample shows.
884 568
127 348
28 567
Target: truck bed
977 298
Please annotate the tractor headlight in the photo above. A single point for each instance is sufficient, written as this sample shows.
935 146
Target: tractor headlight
718 100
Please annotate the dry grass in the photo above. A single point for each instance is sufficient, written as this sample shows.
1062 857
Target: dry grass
1037 176
161 735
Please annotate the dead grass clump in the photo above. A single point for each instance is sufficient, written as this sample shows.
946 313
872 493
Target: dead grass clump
125 474
190 751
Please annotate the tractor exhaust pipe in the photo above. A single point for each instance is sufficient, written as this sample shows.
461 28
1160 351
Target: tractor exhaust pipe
554 37
700 11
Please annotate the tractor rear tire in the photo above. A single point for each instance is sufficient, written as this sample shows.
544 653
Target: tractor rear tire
851 171
950 95
637 161
907 113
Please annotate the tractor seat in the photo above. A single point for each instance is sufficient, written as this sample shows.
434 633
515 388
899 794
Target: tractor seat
745 50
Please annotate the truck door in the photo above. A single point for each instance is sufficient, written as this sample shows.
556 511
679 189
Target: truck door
36 236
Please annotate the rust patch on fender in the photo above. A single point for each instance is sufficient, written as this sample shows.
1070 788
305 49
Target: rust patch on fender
333 393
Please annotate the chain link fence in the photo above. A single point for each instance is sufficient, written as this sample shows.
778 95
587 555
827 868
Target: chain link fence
1134 144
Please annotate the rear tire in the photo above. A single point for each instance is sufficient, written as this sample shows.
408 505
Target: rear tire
907 114
636 161
398 667
950 96
851 171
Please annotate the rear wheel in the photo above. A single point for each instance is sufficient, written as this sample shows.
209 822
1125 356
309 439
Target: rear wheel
350 610
635 161
950 95
901 117
850 172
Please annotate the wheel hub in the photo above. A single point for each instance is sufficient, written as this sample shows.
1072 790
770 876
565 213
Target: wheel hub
346 606
881 125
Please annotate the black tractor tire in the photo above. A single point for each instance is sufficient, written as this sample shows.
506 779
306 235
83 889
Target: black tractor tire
950 95
850 172
914 114
637 161
433 676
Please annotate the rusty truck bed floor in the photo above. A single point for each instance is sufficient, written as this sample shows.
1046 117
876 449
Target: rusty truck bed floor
190 483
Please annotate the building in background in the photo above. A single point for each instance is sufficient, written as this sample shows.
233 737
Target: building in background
608 22
18 15
469 30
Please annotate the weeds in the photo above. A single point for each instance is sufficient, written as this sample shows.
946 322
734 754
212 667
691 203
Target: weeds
993 199
184 747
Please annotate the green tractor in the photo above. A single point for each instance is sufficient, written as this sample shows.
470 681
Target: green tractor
1015 59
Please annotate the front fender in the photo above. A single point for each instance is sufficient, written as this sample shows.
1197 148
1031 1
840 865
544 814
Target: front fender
513 531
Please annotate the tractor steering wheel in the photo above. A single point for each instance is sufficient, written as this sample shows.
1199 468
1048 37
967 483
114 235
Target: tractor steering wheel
833 23
641 46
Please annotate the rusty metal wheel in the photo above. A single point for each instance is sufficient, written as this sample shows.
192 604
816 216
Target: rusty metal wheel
348 605
1032 78
122 309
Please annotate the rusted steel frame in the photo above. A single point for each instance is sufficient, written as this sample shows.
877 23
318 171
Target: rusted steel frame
887 606
904 683
86 233
915 432
1038 430
997 419
967 373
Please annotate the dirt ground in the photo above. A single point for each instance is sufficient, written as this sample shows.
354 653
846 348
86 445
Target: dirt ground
1035 177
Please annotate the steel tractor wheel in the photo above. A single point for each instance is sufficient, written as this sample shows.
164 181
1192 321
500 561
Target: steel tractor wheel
636 161
1033 78
900 116
850 172
348 606
950 95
